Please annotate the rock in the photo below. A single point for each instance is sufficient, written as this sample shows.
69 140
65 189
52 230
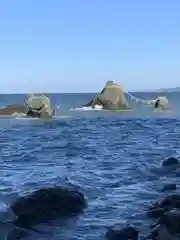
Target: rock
111 97
127 233
171 161
169 187
47 204
169 202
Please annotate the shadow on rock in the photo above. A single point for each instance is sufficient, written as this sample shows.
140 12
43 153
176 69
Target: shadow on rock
161 233
118 233
45 205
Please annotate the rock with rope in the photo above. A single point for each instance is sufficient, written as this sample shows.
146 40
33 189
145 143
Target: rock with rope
160 102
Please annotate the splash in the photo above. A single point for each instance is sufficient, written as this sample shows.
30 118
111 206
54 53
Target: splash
95 108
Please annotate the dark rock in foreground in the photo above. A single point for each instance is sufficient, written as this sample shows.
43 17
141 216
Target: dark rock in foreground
117 233
47 204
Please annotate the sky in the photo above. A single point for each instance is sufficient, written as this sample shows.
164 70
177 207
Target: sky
77 45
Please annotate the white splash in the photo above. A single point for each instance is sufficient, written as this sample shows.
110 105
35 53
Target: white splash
96 108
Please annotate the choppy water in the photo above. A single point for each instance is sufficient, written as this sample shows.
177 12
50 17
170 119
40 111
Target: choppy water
114 158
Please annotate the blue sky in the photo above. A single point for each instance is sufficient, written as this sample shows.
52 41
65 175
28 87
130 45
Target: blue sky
76 45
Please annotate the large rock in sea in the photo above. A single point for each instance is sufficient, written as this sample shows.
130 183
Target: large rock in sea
111 98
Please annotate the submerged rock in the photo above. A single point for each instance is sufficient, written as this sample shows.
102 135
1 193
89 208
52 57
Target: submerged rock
171 161
117 233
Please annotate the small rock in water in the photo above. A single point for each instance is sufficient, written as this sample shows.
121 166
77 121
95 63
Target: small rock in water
127 233
169 187
171 161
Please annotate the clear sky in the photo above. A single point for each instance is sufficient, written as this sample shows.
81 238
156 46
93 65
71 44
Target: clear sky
76 45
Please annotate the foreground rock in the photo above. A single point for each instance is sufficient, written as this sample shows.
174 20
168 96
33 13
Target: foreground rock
47 204
118 233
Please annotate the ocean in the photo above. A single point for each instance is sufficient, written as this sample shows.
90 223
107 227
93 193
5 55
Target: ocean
114 158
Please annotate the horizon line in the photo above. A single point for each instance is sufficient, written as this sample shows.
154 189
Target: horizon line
44 92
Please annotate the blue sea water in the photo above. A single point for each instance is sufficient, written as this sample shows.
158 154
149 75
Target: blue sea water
114 158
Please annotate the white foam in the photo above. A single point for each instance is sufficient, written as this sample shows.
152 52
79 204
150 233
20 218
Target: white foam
56 117
6 213
19 114
96 108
